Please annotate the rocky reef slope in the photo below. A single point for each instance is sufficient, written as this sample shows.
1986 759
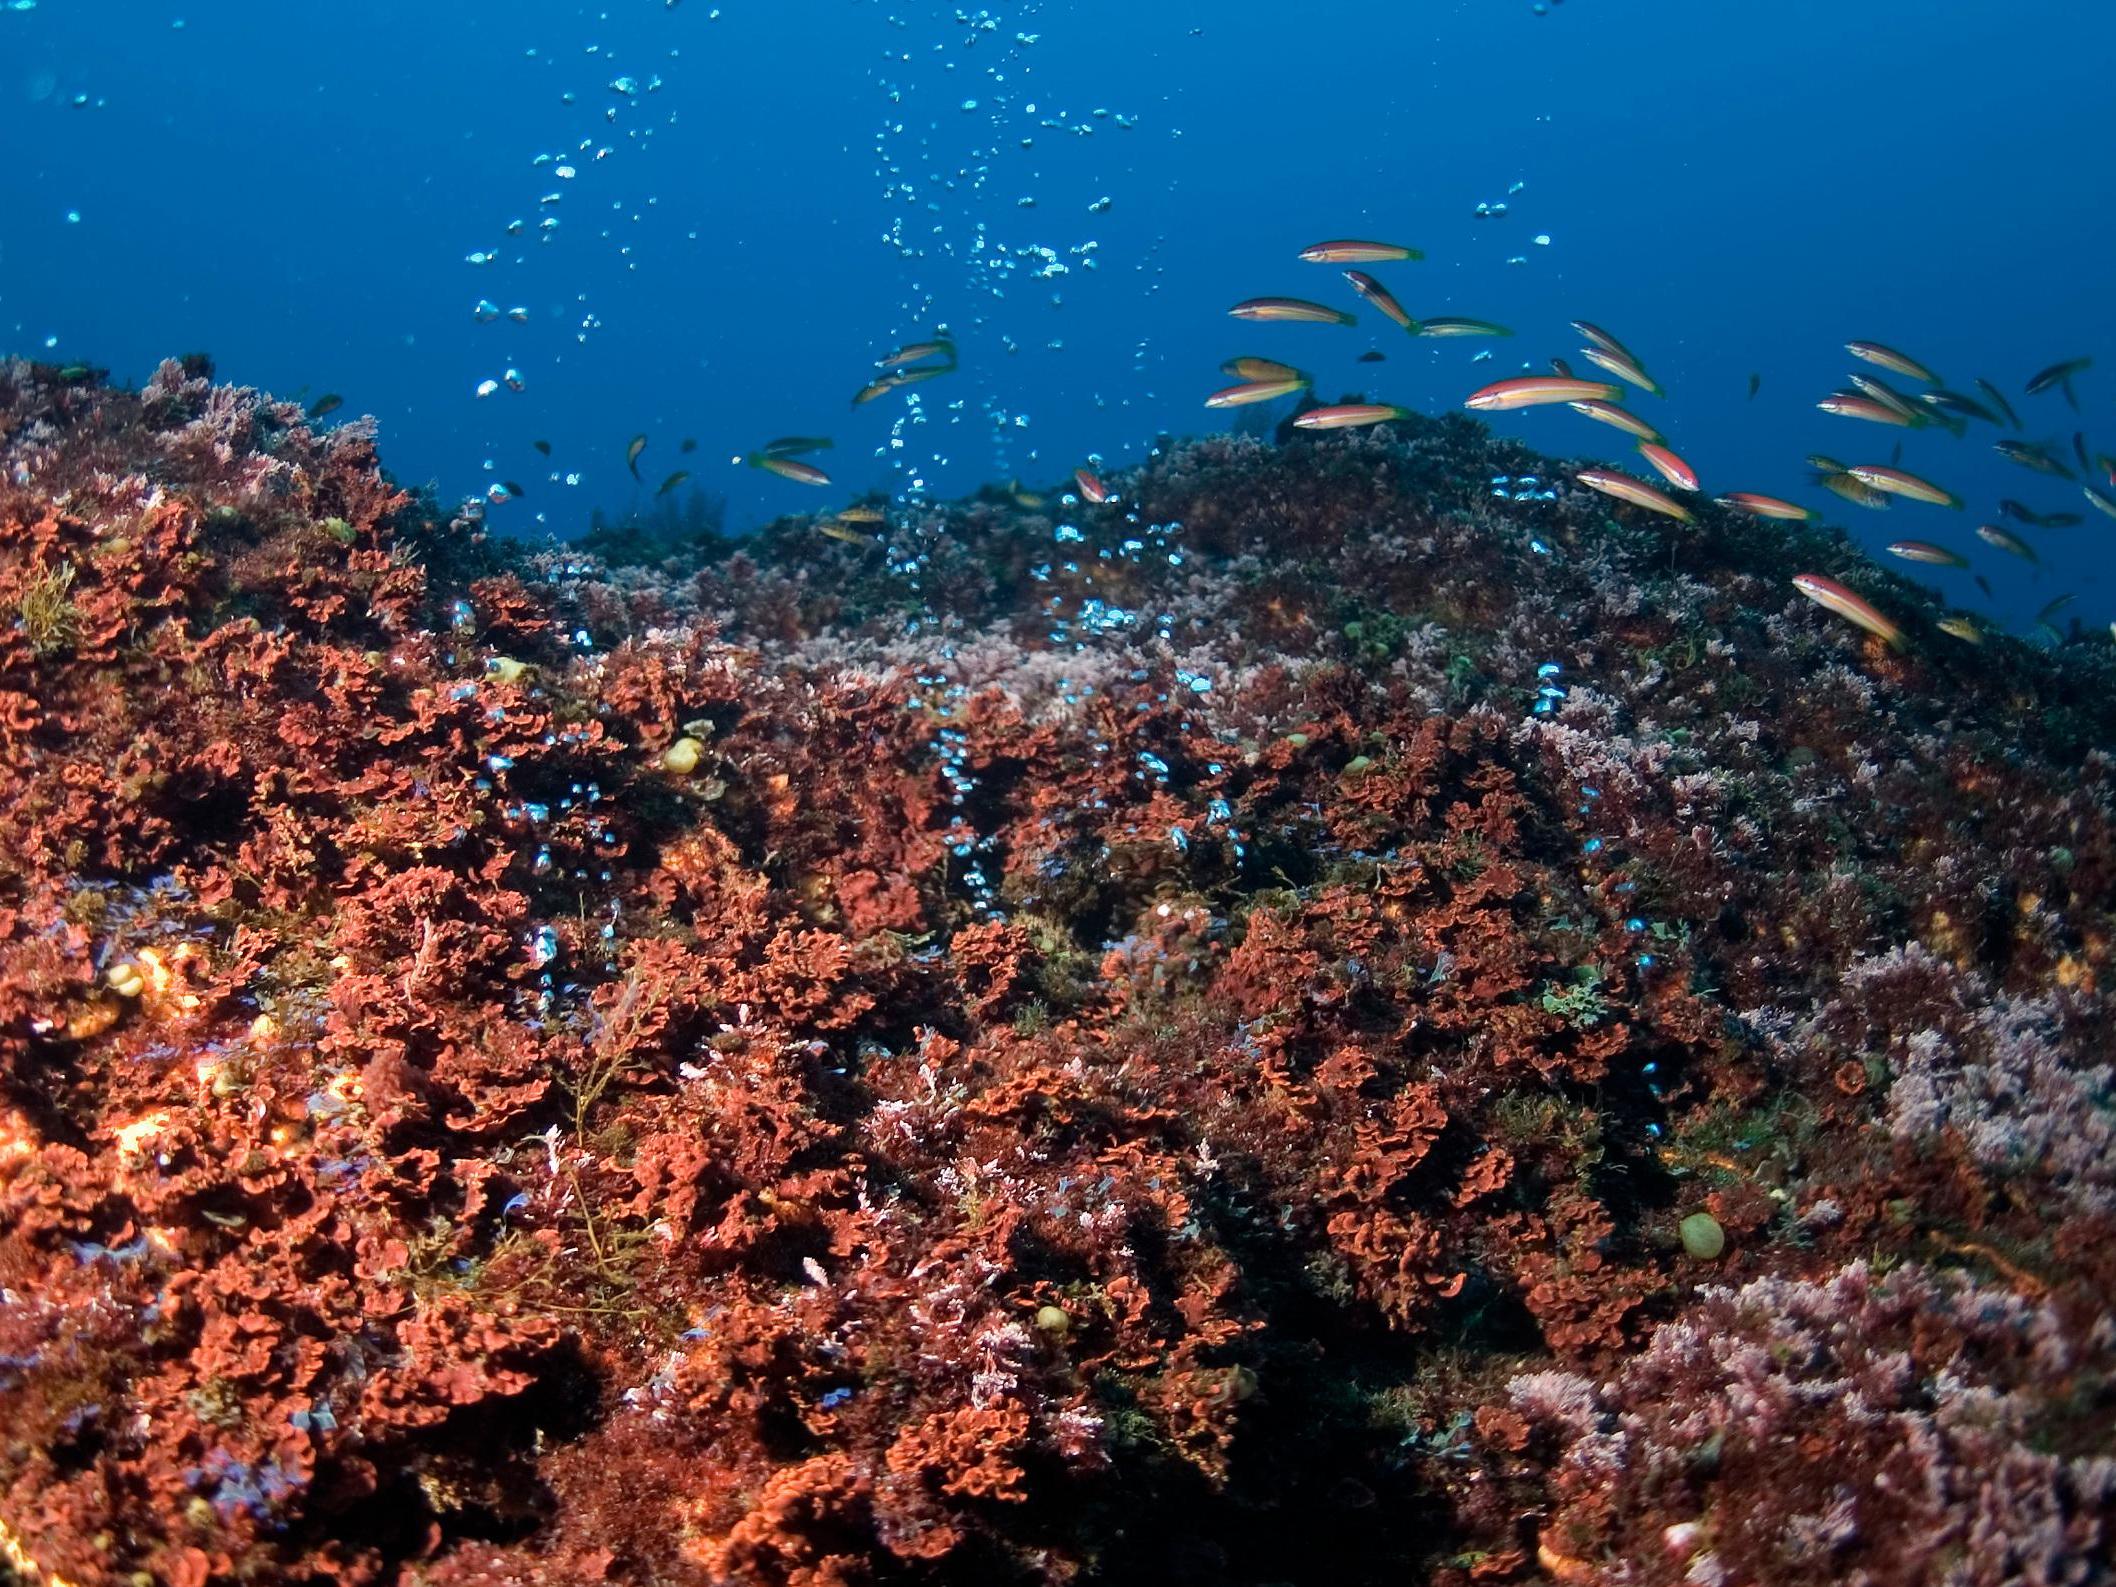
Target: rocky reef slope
1327 1021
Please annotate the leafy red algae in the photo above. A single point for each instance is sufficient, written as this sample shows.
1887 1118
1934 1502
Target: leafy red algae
1163 1041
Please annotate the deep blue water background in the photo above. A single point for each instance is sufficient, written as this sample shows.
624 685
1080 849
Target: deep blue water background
1730 188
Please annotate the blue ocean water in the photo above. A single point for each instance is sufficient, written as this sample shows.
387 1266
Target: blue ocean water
717 218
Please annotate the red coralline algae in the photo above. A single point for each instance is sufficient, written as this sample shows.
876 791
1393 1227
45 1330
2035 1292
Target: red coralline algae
1039 1049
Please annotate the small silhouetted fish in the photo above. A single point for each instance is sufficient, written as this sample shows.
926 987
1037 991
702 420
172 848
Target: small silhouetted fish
690 445
912 352
2009 508
2006 541
2059 374
673 481
329 402
2079 450
637 445
1954 402
1372 355
2034 454
1755 385
1560 368
542 446
795 445
513 489
1998 401
1260 369
1984 584
2053 608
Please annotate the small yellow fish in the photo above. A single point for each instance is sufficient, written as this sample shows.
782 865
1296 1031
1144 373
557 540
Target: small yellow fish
795 445
329 402
1635 491
862 513
1855 491
1961 628
637 445
837 530
1260 369
1828 593
673 481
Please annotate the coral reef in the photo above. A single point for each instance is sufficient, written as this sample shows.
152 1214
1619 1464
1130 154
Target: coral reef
1042 1045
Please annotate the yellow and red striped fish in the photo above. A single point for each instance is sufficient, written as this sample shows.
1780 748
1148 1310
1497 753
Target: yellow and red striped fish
1757 506
1528 391
1635 491
1349 415
1351 250
1828 593
1298 310
1670 467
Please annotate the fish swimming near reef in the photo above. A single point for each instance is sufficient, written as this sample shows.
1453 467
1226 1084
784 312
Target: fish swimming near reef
1757 506
1827 593
1635 491
1527 391
1349 415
